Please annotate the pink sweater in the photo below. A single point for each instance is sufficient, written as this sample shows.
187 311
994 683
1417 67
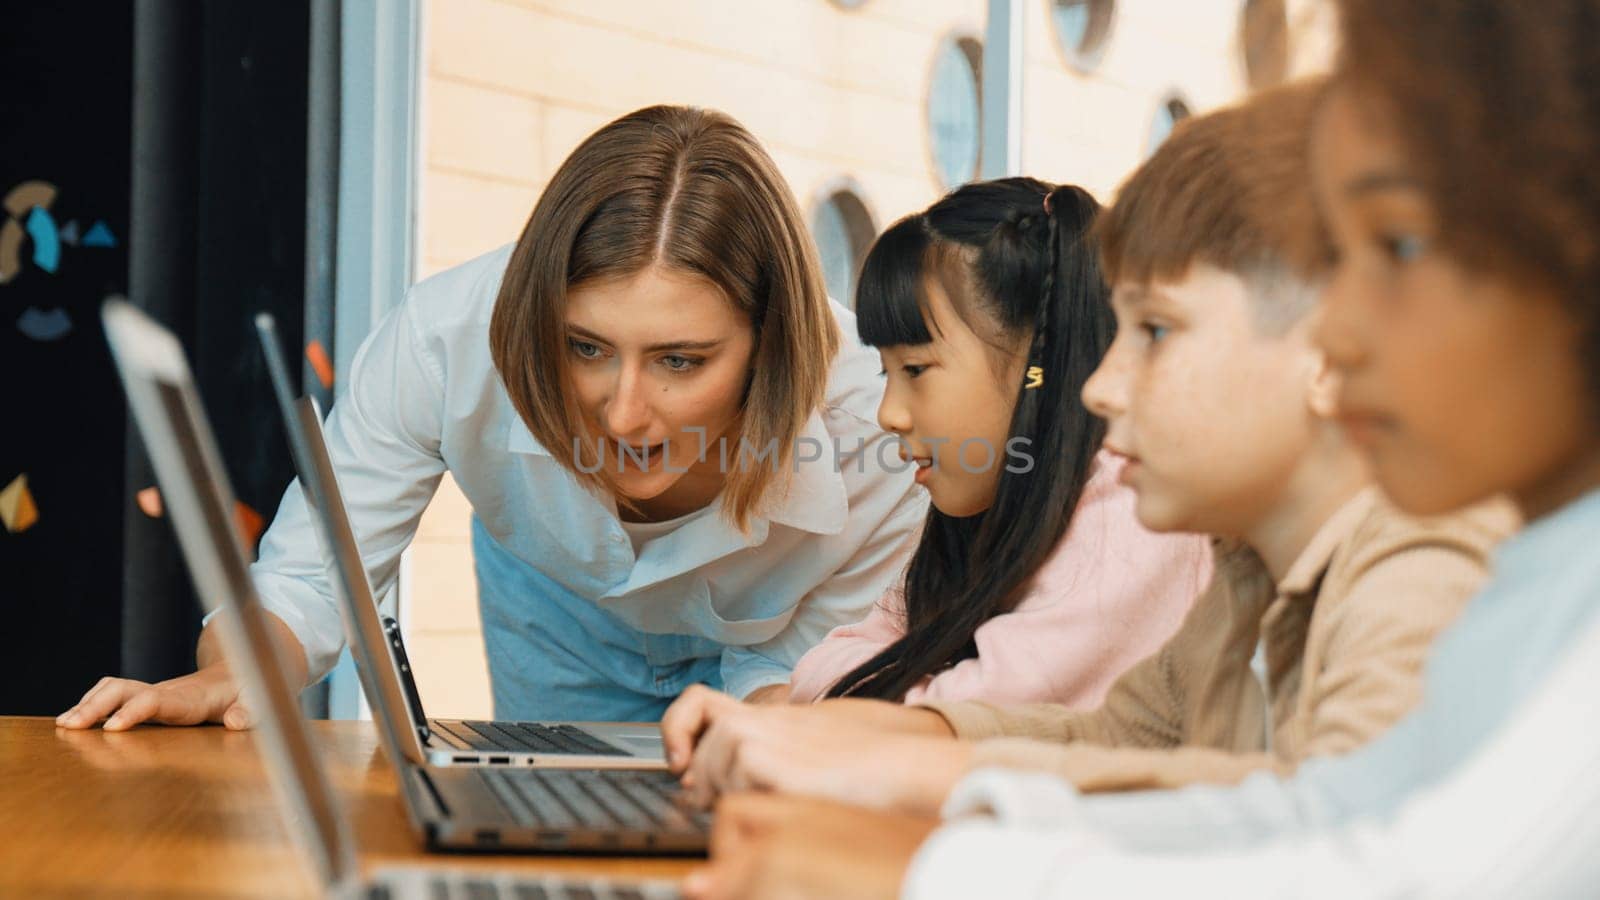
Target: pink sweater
1110 595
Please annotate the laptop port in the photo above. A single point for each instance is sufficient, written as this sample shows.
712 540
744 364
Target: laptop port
499 760
464 760
488 836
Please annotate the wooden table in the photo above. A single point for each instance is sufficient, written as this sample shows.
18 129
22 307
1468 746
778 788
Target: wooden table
188 812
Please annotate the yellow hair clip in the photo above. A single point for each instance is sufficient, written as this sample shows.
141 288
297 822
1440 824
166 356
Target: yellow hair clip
1035 378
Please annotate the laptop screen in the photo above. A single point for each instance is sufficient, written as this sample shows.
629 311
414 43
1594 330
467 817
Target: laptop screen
280 721
199 503
397 711
172 403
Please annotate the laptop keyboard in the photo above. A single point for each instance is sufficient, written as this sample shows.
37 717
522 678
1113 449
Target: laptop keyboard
597 799
442 889
467 888
533 737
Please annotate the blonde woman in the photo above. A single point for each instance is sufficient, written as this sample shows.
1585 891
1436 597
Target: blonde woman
664 427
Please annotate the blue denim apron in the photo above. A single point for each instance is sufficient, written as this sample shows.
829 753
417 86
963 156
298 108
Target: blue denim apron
556 655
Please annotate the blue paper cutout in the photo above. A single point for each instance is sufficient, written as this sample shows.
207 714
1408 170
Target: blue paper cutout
99 235
69 233
45 326
46 249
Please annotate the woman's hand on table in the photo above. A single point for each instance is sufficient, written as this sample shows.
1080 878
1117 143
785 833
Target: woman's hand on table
208 694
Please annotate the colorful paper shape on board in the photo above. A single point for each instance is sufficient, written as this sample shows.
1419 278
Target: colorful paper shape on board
18 203
99 235
69 233
11 235
27 195
46 248
149 501
17 509
248 521
44 326
320 364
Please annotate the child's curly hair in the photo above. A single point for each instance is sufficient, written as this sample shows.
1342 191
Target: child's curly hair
1498 105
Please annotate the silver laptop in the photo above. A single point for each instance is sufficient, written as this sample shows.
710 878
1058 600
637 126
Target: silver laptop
616 807
197 494
381 662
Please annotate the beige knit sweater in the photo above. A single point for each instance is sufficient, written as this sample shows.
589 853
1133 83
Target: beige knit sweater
1344 634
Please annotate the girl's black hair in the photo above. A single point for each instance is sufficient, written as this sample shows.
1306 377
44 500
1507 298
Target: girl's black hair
1018 253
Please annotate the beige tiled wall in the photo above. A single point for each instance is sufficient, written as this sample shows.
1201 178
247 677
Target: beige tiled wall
511 86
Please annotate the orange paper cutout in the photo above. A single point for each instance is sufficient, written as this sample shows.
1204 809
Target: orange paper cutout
318 358
17 509
149 501
248 521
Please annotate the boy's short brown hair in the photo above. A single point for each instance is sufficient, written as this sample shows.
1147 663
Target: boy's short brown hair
1231 189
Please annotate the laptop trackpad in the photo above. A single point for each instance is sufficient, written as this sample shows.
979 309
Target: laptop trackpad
640 740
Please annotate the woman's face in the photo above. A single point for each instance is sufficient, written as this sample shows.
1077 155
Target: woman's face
1459 383
951 410
660 361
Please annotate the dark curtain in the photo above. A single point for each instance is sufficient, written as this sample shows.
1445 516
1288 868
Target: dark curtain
64 170
219 219
182 125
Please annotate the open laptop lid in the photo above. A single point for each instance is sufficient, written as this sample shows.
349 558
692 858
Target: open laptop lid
199 499
397 709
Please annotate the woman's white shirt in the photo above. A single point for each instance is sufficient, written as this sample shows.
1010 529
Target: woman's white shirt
423 397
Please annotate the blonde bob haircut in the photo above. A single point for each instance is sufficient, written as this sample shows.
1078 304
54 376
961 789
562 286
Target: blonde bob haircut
690 190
